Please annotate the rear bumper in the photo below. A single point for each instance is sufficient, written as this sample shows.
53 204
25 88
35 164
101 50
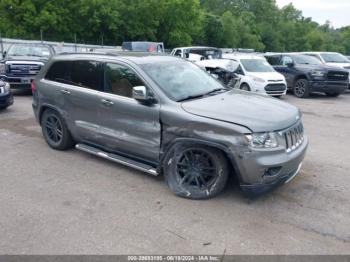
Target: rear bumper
6 99
332 87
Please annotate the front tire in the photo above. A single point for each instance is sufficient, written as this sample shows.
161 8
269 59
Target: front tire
55 131
196 172
301 88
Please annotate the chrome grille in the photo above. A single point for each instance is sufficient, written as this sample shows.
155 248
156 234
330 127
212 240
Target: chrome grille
23 69
293 136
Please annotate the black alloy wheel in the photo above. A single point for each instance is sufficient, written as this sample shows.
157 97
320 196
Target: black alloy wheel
197 172
301 88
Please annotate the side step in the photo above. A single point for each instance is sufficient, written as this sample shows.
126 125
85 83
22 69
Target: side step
118 159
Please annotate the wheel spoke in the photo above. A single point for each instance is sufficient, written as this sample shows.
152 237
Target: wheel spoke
182 181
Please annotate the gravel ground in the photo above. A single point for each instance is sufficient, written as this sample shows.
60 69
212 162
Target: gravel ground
73 203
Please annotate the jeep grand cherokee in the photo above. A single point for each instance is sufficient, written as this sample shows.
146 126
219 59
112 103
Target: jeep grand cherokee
162 114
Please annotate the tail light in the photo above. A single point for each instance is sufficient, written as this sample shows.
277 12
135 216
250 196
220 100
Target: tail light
33 86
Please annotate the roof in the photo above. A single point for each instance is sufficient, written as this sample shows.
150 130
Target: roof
197 47
136 57
320 52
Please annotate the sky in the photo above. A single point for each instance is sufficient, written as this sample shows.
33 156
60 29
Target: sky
336 11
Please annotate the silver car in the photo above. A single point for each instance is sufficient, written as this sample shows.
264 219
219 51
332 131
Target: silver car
164 115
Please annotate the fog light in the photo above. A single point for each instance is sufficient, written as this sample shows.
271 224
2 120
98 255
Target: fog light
272 171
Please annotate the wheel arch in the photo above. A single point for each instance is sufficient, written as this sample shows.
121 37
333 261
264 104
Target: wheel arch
217 146
298 77
44 107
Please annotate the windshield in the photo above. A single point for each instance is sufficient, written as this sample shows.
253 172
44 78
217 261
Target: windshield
29 50
334 58
256 65
306 60
181 79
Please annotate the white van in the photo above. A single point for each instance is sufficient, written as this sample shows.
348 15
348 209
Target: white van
257 75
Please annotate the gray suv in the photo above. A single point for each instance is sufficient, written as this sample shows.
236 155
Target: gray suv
164 115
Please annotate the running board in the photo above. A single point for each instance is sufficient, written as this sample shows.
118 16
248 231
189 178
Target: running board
118 159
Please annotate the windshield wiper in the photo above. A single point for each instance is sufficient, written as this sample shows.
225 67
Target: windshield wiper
216 90
190 98
203 95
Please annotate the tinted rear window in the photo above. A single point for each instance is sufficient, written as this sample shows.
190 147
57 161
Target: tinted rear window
88 74
59 71
273 60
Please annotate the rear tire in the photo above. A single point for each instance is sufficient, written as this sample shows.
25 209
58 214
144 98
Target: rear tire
196 172
301 88
55 131
332 94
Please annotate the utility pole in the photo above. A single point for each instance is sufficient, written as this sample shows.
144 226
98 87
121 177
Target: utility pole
2 46
75 41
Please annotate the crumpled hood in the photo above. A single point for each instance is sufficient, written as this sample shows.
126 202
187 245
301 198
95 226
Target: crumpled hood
257 112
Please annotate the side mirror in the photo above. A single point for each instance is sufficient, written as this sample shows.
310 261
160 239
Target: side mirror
141 94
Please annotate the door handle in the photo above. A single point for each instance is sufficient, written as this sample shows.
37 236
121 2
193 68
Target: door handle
65 92
107 102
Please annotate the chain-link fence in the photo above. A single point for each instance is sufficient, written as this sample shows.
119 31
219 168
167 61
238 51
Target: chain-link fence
75 45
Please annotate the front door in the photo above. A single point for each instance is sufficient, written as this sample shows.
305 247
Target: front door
128 126
287 69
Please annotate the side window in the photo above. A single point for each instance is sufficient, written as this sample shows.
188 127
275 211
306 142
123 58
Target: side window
120 80
273 60
315 56
178 53
239 70
88 74
286 60
59 72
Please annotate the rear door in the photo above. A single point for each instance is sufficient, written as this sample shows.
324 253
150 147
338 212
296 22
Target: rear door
81 94
128 126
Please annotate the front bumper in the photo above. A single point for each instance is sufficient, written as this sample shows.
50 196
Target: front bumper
263 170
18 82
331 87
6 99
268 88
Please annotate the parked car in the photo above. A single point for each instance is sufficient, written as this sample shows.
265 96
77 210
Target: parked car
6 98
305 74
197 53
332 59
22 62
223 70
162 114
143 46
257 75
